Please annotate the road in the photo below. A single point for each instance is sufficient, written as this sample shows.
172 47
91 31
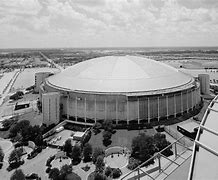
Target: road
7 89
51 62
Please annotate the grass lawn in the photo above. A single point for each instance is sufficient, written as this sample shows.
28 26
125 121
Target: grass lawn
120 138
73 176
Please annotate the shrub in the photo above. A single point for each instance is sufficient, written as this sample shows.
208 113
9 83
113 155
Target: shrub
8 122
96 128
48 170
67 146
50 159
87 152
108 125
108 171
97 152
107 138
99 176
116 173
85 168
133 163
54 173
76 152
99 164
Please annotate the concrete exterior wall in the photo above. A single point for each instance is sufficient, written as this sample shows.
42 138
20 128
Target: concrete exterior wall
204 83
51 108
122 109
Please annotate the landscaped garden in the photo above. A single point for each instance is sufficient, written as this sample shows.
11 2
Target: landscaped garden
121 137
103 154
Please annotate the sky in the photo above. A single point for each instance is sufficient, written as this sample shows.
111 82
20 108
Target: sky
108 23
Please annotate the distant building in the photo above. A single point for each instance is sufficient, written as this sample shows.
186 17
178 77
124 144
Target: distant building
204 83
124 89
40 78
51 108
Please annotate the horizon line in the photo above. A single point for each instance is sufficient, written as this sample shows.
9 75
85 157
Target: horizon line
109 47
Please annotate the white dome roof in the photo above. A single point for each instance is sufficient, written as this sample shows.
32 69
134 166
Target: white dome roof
119 74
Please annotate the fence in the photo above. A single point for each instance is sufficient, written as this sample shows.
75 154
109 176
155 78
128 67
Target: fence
116 150
139 173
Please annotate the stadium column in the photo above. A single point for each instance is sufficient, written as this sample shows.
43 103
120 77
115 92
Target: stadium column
196 91
167 106
148 110
105 109
95 110
85 108
158 108
127 110
181 103
138 110
192 102
116 111
68 115
174 97
187 99
76 107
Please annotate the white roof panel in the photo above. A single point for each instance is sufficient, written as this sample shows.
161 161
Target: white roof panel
119 74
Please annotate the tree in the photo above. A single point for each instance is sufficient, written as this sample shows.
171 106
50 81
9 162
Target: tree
39 140
18 175
17 128
15 155
65 170
108 171
116 173
87 152
143 147
161 143
99 176
20 93
32 133
54 173
97 125
107 135
97 152
68 147
108 125
99 165
76 152
107 138
8 122
16 95
96 128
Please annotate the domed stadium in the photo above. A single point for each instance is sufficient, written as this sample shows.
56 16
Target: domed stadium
124 89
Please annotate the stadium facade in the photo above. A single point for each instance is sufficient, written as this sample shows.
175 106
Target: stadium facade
124 89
